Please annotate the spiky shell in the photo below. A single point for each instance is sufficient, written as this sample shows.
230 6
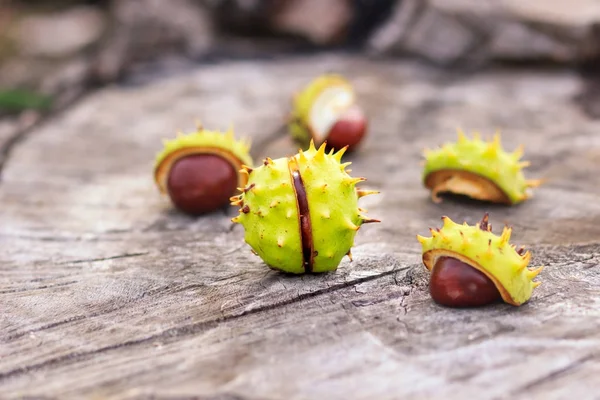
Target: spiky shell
202 142
269 210
317 107
479 169
493 255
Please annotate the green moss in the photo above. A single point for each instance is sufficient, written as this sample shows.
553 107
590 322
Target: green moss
15 100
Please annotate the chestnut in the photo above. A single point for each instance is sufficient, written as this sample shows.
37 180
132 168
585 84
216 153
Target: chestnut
201 183
326 111
348 129
470 266
201 171
454 283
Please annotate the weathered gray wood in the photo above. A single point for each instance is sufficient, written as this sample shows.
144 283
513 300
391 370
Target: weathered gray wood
106 292
469 32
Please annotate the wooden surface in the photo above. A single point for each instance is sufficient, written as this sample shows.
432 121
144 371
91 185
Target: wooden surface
106 292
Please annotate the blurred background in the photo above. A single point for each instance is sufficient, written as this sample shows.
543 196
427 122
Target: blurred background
53 51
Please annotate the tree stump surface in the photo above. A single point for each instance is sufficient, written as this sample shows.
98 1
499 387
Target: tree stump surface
106 292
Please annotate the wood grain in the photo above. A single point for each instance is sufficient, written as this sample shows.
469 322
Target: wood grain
106 292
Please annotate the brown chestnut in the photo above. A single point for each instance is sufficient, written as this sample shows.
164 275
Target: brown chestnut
348 130
201 183
457 284
201 171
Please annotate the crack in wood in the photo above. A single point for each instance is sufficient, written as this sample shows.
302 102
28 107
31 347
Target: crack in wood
380 299
126 255
179 332
23 132
554 374
82 238
80 317
18 136
20 290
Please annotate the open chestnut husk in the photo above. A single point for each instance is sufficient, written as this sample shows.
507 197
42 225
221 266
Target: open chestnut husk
200 171
470 266
477 169
326 111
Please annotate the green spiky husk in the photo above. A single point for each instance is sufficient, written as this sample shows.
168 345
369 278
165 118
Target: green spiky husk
270 216
488 160
491 254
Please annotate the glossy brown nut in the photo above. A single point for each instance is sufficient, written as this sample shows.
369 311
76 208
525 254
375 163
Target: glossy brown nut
201 183
348 130
456 284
